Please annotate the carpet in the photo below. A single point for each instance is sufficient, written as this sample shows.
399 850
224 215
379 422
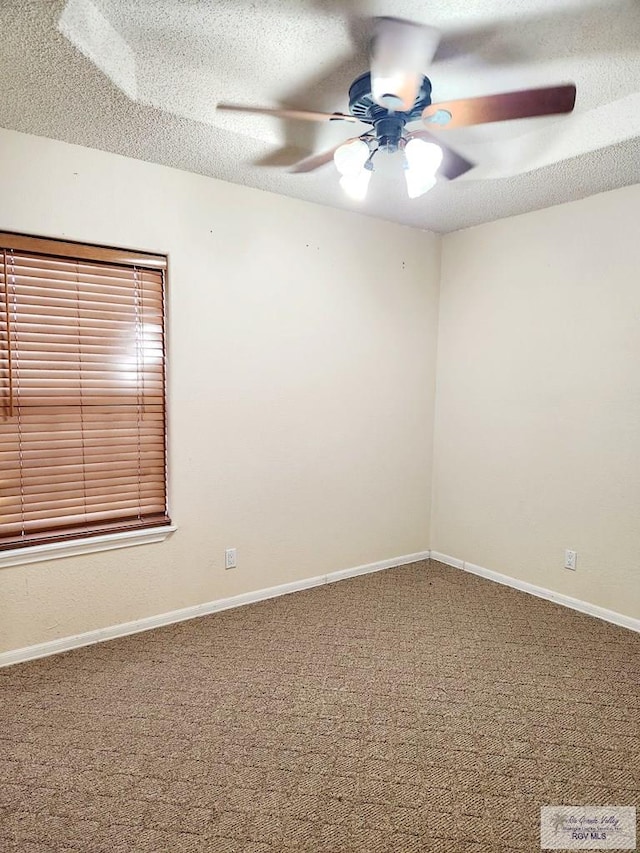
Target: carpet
415 709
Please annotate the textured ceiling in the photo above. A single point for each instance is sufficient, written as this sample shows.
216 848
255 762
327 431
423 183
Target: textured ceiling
142 79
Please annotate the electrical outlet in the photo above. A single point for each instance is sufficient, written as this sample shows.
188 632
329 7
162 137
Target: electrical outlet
230 558
570 560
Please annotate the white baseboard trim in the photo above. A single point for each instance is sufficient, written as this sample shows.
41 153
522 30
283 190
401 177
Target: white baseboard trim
65 644
449 561
541 592
377 567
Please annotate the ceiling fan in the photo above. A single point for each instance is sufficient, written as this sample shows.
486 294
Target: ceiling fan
394 94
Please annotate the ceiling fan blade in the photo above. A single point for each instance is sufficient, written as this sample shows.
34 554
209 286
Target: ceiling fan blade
315 161
285 112
453 164
400 51
529 103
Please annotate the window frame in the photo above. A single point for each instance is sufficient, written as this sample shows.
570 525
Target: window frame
77 542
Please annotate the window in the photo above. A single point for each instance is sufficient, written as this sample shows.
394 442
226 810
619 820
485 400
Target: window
82 391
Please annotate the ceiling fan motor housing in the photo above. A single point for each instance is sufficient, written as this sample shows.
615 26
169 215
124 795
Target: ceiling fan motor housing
388 124
389 132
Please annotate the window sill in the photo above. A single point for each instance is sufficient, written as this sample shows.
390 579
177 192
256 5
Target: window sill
106 542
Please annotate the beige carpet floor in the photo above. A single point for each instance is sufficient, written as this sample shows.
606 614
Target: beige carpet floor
417 709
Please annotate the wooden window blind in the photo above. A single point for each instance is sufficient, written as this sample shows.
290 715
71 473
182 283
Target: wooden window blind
82 391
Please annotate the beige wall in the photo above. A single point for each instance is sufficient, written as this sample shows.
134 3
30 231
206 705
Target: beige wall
302 370
537 442
302 373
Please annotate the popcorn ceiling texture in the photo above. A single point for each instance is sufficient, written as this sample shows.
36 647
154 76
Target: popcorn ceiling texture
417 709
143 79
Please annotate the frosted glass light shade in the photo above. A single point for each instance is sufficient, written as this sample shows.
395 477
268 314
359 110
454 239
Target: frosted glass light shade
351 157
356 185
418 184
423 161
422 156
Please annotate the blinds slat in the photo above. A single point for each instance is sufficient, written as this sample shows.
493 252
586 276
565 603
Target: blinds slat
71 414
54 398
92 288
34 432
29 458
88 382
41 337
51 266
90 470
75 506
114 485
98 430
87 274
77 315
42 292
115 437
48 522
66 323
51 303
47 341
36 360
125 480
75 502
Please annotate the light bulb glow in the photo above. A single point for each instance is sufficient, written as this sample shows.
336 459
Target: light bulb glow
356 185
351 157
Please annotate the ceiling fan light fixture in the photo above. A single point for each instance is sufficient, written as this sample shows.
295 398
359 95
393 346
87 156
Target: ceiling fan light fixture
351 157
396 92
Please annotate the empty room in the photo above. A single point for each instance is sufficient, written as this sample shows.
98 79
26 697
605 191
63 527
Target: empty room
319 426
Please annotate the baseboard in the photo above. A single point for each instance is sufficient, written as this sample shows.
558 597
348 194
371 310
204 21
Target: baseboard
449 561
65 644
393 563
541 592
